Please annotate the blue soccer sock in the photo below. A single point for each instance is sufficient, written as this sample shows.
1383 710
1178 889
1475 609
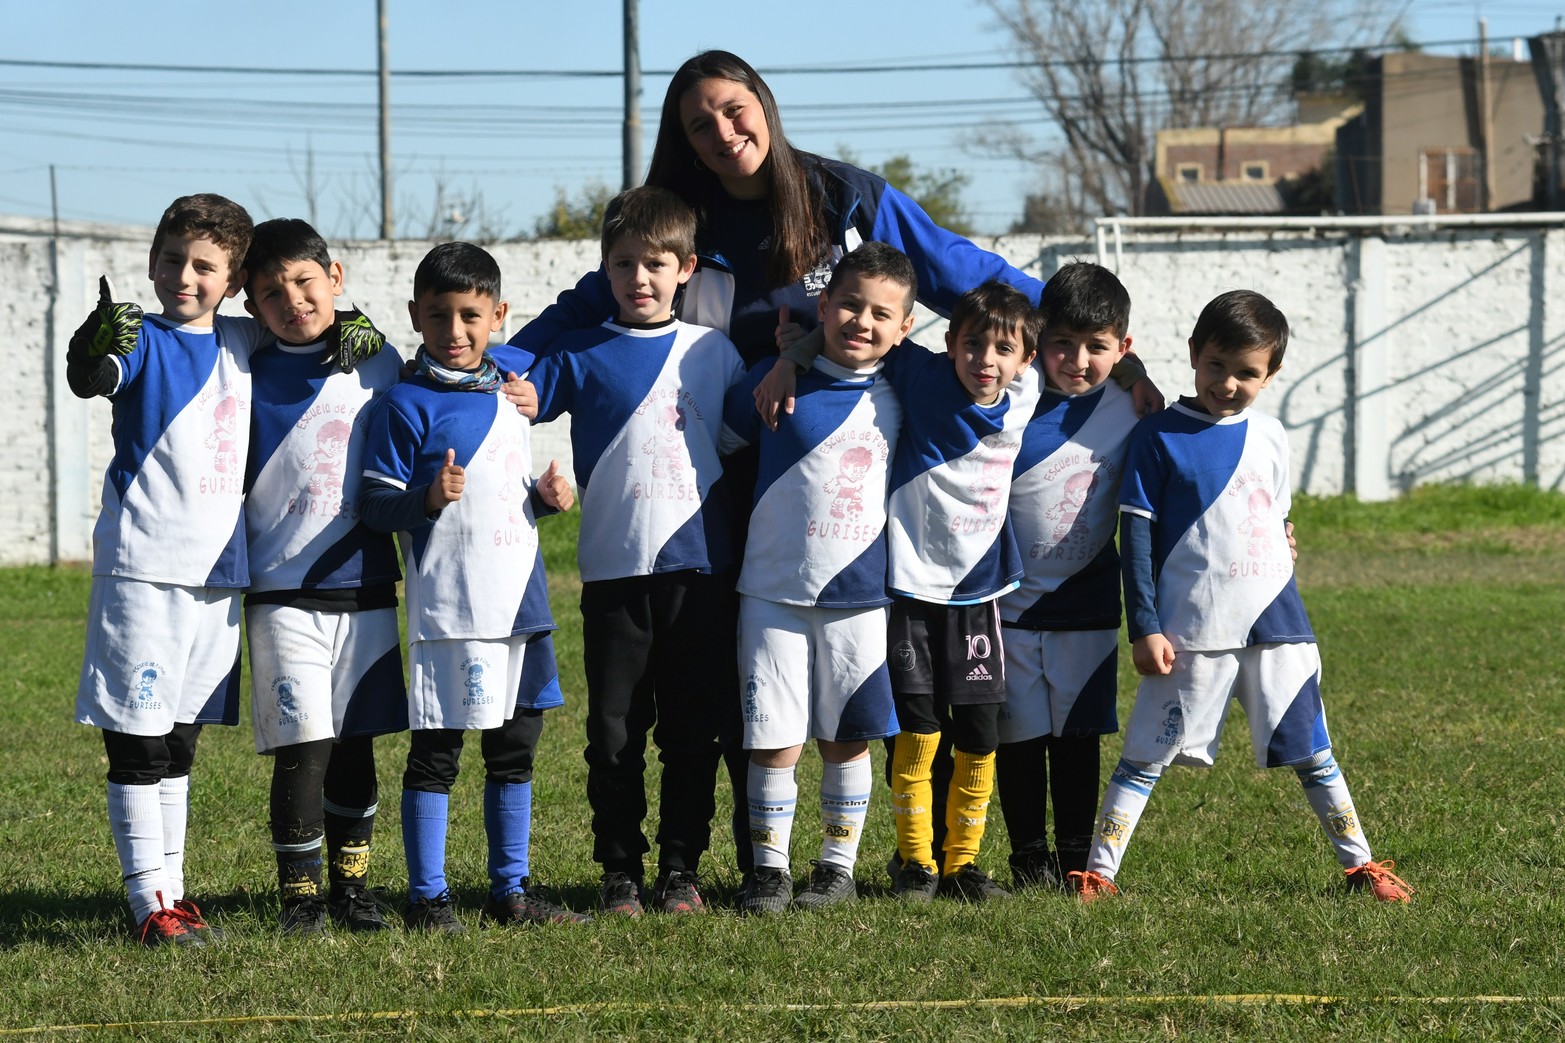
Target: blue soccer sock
424 841
508 820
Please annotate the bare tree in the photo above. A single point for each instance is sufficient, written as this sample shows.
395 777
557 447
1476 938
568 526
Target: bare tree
1110 73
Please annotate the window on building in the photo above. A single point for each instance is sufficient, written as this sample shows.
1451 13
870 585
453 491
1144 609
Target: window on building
1253 171
1188 171
1448 180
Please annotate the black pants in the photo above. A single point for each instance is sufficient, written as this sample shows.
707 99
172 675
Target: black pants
660 657
144 760
434 753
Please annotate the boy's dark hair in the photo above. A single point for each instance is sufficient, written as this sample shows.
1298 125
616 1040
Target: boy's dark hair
457 268
655 215
1086 298
1240 320
999 306
280 242
878 261
208 216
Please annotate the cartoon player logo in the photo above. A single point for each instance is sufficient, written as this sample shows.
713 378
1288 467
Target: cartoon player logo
846 487
515 492
222 441
992 481
666 446
1173 725
475 682
1258 524
144 683
285 704
1073 501
326 461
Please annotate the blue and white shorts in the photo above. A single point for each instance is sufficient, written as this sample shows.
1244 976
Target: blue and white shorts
1059 682
809 672
459 683
1178 717
159 654
323 675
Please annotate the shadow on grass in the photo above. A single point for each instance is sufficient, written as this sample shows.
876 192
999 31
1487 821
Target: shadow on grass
72 919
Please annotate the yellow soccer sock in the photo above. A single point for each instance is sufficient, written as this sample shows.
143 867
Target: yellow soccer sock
911 763
967 807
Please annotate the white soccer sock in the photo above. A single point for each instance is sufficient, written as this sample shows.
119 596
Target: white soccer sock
174 795
773 794
1328 794
844 805
1124 799
136 820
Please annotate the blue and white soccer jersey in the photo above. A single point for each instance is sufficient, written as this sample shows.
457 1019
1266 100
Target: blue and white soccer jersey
169 547
317 673
1217 492
812 621
471 572
302 509
951 480
1062 622
646 409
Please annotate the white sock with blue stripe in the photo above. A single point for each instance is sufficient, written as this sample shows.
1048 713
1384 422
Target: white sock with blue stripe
1124 799
1328 795
844 805
773 795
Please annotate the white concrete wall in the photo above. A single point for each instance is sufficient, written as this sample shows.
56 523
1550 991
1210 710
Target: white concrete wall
1415 357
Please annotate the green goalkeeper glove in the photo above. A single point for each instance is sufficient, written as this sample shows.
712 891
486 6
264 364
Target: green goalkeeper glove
352 339
111 329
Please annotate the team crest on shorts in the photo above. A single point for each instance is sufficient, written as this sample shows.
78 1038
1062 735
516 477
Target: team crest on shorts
903 657
1173 724
752 707
285 695
473 671
143 686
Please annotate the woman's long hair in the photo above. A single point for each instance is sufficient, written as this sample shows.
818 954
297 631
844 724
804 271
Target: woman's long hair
799 235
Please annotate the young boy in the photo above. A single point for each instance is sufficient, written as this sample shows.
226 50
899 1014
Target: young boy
951 558
645 393
812 615
162 655
320 614
447 465
1214 612
1062 623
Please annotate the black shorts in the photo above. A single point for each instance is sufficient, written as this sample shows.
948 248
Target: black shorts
951 651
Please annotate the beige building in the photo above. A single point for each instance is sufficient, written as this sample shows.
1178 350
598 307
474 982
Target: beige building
1437 135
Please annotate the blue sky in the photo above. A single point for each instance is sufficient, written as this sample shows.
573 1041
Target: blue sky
124 143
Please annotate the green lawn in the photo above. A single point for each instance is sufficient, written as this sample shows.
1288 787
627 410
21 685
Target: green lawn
1440 626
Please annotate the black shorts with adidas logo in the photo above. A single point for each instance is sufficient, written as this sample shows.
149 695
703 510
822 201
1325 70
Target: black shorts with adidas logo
953 652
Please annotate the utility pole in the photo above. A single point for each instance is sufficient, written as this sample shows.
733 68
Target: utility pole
387 226
631 148
1485 117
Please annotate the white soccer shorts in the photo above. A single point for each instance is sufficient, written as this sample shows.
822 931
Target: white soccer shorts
323 675
159 654
810 672
1178 717
1059 682
464 684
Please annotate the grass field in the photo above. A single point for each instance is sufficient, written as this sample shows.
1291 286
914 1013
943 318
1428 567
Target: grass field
1440 624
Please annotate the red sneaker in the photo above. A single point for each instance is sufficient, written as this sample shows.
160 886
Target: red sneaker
1378 879
1090 885
166 926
